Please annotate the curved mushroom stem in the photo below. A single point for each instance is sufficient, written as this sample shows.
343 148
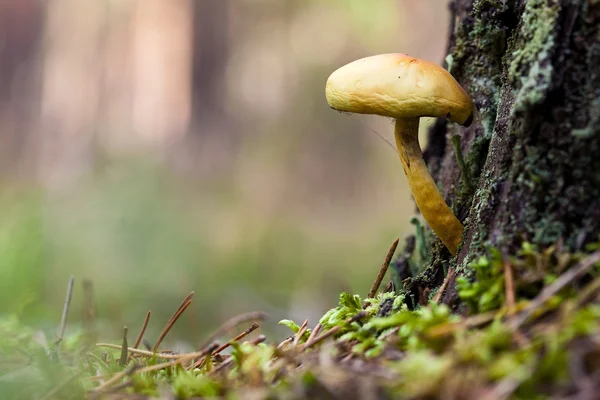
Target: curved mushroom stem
424 190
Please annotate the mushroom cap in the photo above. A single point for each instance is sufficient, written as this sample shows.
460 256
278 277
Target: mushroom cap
398 86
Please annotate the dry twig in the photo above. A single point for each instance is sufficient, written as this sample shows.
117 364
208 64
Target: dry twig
257 340
146 353
235 321
577 271
300 332
284 343
124 356
239 337
184 304
140 336
589 293
180 359
509 288
229 361
323 336
65 313
314 332
438 295
333 331
383 270
135 368
221 367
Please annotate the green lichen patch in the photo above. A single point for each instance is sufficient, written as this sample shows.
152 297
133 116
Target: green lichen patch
530 66
480 43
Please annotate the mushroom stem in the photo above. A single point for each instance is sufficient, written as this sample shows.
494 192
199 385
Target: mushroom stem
424 190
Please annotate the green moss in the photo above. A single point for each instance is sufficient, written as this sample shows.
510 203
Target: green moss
593 126
295 328
536 31
548 231
349 305
480 43
410 352
483 38
530 67
188 384
477 155
423 240
486 291
466 187
426 372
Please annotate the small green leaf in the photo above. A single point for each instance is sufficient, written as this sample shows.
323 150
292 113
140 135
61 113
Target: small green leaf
290 324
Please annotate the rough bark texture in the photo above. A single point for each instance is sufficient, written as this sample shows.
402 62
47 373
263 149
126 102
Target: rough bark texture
532 68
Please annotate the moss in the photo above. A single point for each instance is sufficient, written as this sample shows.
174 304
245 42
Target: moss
483 38
530 67
477 155
548 231
480 6
473 164
406 353
486 291
480 44
485 195
423 239
536 32
487 49
295 328
539 183
592 128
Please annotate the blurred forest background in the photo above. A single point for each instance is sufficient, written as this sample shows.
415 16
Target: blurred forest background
159 146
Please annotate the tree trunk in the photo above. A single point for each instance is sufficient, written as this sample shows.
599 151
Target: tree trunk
20 38
533 152
210 58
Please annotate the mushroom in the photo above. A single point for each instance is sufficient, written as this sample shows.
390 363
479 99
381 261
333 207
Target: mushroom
406 89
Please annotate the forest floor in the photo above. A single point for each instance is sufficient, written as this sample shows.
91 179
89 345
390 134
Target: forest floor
530 329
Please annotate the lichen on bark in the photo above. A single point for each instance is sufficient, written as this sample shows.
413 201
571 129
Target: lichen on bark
534 149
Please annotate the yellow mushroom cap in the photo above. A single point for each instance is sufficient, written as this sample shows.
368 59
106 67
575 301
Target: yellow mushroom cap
398 86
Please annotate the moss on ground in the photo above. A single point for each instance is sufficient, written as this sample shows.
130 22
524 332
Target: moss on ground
532 335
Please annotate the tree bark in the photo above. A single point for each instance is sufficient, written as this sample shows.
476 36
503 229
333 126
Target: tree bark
209 59
20 39
533 152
